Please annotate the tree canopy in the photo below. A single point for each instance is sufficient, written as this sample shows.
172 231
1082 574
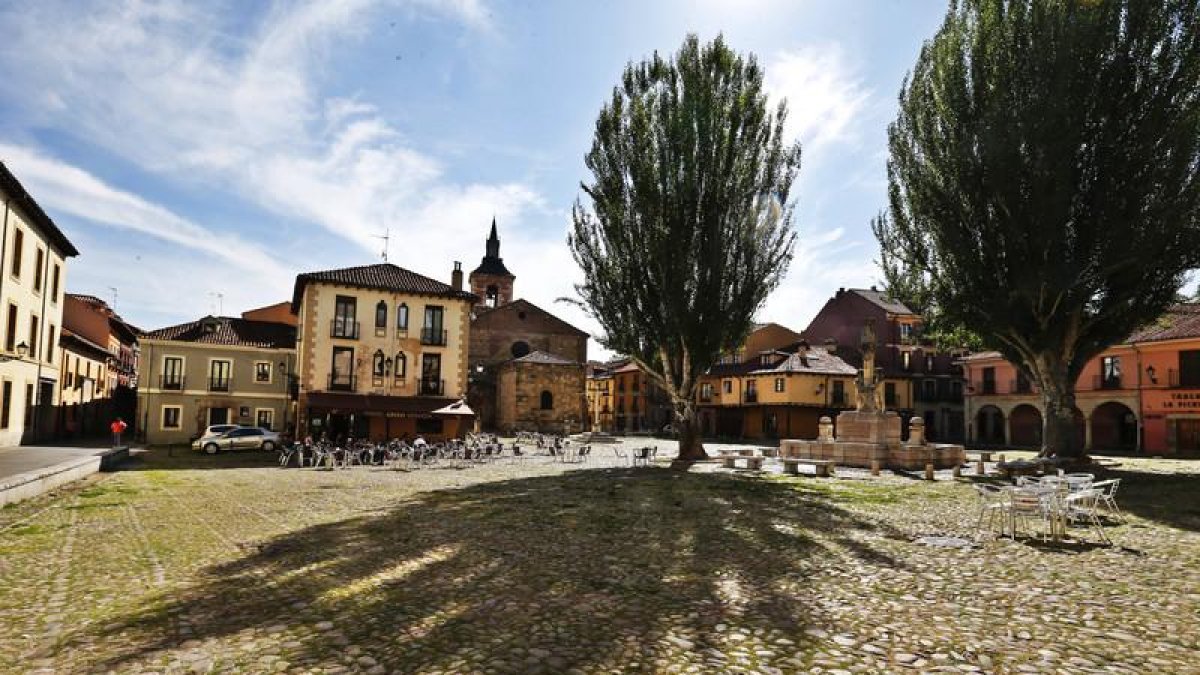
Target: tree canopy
1043 177
689 225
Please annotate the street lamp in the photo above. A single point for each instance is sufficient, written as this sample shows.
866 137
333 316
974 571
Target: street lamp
22 350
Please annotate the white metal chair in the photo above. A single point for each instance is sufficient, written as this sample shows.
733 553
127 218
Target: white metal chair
1108 496
1026 504
992 506
1084 506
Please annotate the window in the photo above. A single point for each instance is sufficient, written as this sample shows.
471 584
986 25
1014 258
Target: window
838 395
889 393
930 389
18 246
906 360
33 336
1110 372
5 404
989 380
219 371
779 385
491 296
706 391
39 259
906 331
262 371
345 311
28 405
402 317
10 331
342 376
265 418
519 348
929 363
378 364
171 417
400 367
54 278
432 333
172 375
547 400
381 319
727 386
1189 368
50 344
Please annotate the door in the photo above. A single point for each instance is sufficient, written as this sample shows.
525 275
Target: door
1187 435
218 416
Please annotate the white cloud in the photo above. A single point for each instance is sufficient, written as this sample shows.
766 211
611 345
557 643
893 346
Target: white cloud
179 92
824 95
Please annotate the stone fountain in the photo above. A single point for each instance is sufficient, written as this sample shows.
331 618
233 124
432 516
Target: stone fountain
869 436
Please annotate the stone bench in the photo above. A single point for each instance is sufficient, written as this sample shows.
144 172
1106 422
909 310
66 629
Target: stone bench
729 461
821 467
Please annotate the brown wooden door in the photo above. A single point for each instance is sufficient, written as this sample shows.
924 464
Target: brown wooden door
1187 435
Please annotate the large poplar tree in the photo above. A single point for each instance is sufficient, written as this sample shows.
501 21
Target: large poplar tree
1043 178
689 225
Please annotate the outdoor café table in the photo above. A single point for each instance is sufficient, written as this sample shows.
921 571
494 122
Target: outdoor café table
1052 505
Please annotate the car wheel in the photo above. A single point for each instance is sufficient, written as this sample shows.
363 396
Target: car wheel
212 448
268 446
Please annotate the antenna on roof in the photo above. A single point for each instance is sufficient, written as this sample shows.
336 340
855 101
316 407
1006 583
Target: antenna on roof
218 304
114 292
385 237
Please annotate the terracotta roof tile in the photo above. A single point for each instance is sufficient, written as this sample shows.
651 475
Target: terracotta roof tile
881 299
545 357
383 276
227 330
1180 322
816 361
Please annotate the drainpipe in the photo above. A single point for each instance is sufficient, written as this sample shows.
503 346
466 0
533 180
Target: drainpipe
1141 411
37 431
4 248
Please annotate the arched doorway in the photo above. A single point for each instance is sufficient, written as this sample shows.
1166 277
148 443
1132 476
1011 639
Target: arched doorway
989 426
1114 427
1026 423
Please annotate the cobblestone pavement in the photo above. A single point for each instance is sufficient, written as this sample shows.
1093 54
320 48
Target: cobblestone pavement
226 564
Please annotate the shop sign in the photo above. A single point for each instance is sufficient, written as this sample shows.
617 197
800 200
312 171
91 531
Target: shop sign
1183 401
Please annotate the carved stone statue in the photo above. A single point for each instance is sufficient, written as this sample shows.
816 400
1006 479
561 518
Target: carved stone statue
868 376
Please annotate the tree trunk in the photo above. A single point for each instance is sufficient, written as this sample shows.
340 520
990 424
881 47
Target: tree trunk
1060 437
691 448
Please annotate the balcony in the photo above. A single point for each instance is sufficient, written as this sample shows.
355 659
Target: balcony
1107 382
339 382
171 382
343 329
1020 386
987 387
750 396
1187 380
433 336
219 383
433 387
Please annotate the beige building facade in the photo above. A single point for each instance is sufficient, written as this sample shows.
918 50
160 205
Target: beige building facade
381 348
541 392
217 370
33 256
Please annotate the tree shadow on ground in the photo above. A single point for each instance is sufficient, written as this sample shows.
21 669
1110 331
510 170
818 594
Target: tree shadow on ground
1172 499
590 569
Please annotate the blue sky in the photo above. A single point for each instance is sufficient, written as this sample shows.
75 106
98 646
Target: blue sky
194 149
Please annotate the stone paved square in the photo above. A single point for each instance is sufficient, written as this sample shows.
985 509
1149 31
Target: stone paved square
228 564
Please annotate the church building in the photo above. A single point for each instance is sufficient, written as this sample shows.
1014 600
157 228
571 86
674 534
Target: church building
527 365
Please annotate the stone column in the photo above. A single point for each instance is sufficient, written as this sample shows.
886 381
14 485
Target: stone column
825 429
916 431
1087 432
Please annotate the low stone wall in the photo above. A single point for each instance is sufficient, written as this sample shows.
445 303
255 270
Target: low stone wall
23 486
890 456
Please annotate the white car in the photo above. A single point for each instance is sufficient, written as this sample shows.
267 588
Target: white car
238 438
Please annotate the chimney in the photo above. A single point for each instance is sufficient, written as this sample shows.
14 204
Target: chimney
831 345
456 276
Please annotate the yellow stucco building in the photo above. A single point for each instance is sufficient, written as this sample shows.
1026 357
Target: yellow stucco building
380 350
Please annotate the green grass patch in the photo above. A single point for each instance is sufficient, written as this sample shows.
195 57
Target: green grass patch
97 491
30 530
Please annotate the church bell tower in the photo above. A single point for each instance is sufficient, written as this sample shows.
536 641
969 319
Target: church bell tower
491 281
